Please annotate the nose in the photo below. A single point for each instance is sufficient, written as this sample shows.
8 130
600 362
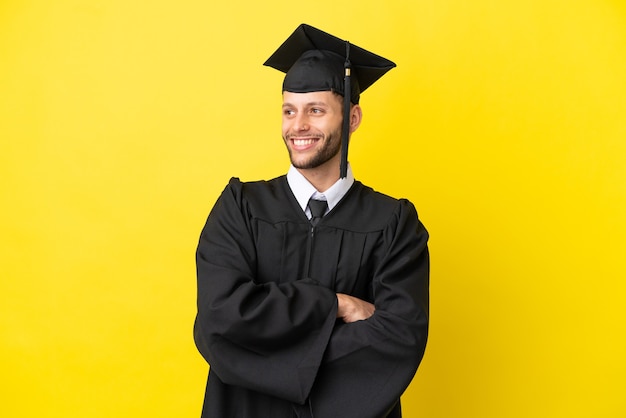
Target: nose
301 122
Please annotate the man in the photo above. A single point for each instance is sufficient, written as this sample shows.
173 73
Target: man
312 288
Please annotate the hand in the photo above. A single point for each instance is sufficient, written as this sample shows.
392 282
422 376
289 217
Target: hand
353 309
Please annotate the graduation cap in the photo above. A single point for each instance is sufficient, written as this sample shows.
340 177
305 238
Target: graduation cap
314 60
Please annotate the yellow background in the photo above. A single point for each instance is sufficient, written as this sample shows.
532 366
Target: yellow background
121 121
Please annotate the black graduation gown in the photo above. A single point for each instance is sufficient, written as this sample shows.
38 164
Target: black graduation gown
267 284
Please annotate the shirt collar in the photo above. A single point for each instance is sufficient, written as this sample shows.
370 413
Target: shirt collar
303 190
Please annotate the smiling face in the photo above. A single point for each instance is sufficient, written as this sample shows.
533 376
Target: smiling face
312 128
312 125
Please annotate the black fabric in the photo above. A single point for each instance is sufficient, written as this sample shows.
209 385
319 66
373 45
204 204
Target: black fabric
318 209
266 319
313 60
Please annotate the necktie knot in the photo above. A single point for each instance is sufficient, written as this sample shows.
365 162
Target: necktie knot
318 209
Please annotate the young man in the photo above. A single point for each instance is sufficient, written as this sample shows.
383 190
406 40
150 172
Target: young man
312 288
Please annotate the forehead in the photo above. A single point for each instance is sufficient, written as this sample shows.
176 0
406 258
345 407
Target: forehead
320 97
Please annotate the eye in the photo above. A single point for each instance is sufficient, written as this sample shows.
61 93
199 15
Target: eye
317 110
288 112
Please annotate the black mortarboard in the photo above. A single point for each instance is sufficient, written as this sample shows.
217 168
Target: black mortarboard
314 60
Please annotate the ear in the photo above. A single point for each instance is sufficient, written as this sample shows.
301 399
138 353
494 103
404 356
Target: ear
356 114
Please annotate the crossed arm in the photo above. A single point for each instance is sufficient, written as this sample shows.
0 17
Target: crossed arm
351 309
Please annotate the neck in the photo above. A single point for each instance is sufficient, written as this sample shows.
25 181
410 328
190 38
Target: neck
322 177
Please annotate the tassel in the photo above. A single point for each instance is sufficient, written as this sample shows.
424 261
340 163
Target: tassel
345 131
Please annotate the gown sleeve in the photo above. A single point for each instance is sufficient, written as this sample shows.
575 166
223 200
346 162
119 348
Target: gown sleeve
267 337
368 364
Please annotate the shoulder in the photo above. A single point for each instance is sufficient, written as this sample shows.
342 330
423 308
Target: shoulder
255 189
264 199
379 202
363 205
395 217
368 192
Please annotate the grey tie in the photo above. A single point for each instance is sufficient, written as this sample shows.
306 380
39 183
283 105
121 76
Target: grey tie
318 209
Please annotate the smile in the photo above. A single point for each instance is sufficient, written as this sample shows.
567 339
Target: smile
303 142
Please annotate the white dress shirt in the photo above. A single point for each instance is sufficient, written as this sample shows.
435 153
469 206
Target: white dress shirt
303 190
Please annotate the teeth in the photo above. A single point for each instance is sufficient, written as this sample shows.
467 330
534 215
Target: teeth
302 142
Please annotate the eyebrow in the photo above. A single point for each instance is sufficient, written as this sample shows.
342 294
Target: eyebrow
316 103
